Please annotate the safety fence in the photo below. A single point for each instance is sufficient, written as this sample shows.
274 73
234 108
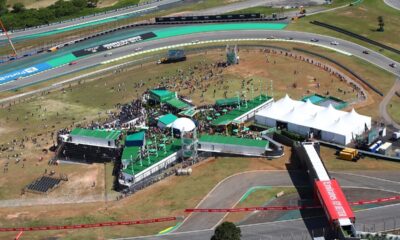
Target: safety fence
168 219
342 66
90 225
351 34
284 208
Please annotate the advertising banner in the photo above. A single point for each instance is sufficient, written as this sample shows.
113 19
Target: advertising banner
4 78
113 45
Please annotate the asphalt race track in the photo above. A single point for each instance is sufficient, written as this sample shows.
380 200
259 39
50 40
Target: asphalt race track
230 190
81 21
93 60
393 3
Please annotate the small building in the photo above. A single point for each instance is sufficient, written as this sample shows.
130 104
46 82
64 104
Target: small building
95 137
166 121
135 139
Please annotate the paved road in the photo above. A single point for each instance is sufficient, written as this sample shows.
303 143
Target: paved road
355 49
292 229
81 21
393 3
228 192
383 105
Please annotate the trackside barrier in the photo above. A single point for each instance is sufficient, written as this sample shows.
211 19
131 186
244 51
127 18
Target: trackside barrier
93 225
168 219
283 208
218 41
351 34
342 66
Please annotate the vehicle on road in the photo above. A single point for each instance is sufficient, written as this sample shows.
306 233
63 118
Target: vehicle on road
138 49
393 65
270 37
334 43
289 38
195 41
314 40
108 54
365 52
73 63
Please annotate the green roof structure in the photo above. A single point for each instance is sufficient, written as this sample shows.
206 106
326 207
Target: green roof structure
177 103
189 112
167 119
227 101
161 95
96 133
139 136
130 153
228 118
234 141
136 166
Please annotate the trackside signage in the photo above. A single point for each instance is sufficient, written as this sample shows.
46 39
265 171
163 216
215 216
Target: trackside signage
113 45
333 200
4 78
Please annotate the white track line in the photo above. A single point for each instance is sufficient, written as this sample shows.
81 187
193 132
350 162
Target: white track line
224 40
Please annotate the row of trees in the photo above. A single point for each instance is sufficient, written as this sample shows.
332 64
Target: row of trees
20 17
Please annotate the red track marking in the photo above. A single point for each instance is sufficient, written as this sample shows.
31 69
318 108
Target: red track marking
92 225
284 208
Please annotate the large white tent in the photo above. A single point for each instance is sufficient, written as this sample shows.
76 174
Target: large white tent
305 117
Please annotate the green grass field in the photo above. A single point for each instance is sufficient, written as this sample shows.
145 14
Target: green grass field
360 19
393 108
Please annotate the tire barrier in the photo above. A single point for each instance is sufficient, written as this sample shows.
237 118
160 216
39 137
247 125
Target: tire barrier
283 208
351 34
90 225
344 67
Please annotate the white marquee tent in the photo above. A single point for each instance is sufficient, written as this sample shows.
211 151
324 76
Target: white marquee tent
305 117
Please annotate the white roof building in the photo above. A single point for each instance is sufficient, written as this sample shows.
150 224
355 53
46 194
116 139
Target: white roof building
183 125
305 117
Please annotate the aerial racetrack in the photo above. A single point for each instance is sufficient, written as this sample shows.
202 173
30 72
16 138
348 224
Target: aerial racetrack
188 36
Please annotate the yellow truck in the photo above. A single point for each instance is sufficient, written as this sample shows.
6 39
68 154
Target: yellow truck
348 154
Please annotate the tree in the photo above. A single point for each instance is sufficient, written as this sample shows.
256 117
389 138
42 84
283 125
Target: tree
381 24
227 231
3 7
80 3
92 3
18 7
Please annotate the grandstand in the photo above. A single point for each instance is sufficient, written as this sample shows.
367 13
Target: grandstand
43 184
91 145
244 112
95 137
139 163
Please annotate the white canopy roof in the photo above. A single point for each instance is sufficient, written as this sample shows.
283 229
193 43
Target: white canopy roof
307 114
183 124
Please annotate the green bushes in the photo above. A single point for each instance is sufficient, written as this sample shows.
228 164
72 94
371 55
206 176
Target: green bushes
61 10
292 135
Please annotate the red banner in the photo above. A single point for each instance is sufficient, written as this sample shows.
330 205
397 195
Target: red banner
91 225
